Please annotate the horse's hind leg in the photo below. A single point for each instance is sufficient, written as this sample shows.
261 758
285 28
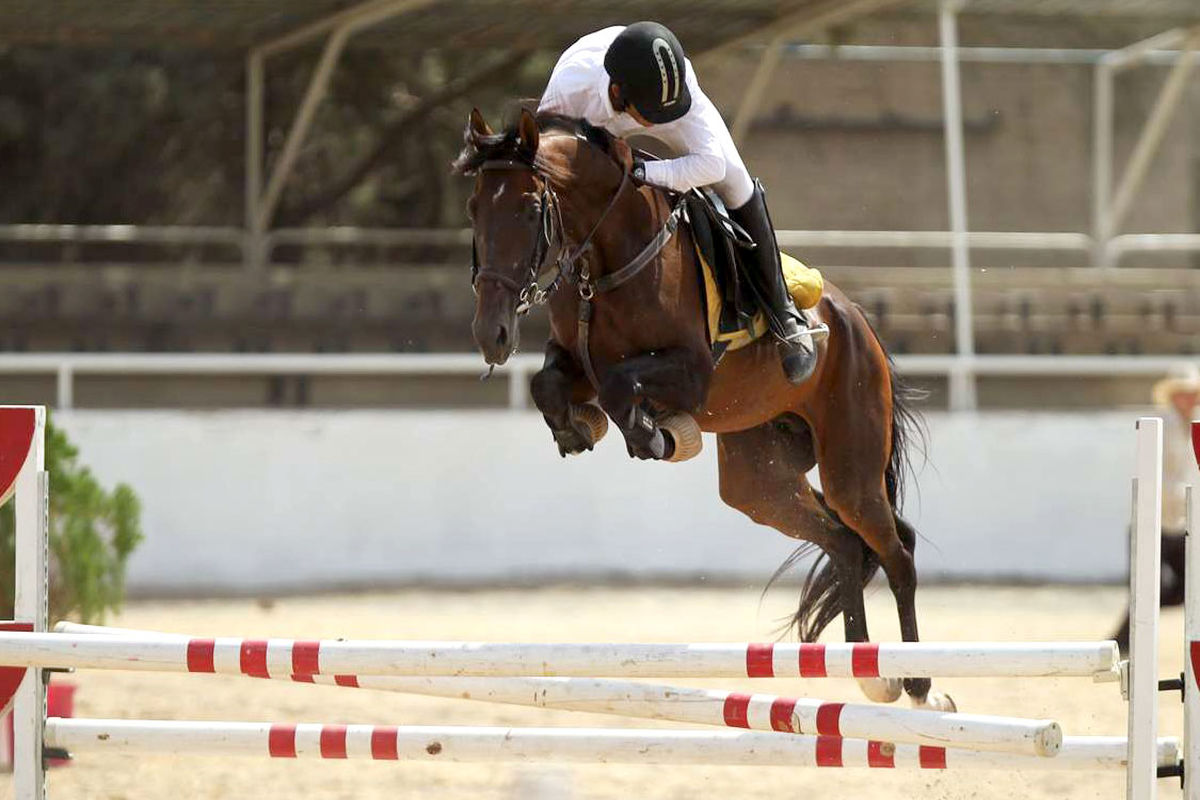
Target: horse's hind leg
762 473
857 493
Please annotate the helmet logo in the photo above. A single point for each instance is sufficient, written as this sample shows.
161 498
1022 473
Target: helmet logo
661 48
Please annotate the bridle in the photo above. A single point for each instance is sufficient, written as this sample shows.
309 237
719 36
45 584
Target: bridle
536 288
531 291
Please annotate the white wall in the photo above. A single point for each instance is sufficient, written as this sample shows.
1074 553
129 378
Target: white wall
261 501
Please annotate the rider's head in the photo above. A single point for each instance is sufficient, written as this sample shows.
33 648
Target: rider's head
648 74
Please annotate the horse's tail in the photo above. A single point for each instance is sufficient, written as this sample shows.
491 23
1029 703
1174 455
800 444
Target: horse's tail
906 424
820 597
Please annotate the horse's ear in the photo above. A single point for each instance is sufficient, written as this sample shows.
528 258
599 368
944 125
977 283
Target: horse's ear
477 126
527 130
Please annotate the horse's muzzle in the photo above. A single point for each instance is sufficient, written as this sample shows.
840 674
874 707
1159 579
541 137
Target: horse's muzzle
495 329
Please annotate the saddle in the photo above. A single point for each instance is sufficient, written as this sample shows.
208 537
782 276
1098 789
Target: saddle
731 311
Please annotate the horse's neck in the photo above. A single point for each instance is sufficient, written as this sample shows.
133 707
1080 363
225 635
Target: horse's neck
621 234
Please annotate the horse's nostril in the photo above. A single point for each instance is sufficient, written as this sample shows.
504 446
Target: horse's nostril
502 336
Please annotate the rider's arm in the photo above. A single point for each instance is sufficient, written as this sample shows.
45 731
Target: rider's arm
703 165
572 91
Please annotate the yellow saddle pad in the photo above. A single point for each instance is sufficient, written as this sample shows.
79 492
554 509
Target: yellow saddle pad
805 284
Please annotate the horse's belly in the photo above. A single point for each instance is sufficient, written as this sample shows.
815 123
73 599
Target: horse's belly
748 389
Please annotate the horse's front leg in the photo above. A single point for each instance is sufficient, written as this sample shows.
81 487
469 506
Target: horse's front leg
561 392
674 379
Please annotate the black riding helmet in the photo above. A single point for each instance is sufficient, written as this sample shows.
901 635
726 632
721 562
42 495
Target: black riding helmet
646 62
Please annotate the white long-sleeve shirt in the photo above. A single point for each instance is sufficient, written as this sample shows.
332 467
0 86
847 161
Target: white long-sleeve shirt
706 155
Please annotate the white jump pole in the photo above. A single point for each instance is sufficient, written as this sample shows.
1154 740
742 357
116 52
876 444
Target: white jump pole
581 745
22 438
285 657
711 707
1191 635
1144 571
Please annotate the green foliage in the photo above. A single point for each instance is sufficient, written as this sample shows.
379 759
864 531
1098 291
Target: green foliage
92 533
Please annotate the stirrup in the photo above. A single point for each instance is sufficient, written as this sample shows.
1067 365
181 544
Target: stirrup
818 332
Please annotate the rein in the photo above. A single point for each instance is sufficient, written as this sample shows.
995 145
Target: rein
537 291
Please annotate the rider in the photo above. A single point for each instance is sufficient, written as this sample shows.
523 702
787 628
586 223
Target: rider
636 79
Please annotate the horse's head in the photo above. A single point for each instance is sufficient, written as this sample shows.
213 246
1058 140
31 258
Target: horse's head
508 210
513 211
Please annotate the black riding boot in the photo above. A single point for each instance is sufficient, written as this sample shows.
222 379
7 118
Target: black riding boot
796 349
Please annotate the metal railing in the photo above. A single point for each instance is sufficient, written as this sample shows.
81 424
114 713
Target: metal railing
345 236
66 367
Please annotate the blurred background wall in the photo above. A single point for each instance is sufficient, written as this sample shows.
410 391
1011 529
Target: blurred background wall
262 501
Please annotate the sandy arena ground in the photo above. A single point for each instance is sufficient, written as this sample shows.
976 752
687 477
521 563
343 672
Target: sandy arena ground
581 615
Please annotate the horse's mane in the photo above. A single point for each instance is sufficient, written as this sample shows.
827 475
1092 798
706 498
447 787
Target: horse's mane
506 144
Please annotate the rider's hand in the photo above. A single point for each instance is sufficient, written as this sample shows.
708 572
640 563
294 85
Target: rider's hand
623 154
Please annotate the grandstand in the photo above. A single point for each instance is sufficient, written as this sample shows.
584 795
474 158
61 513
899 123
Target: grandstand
1075 230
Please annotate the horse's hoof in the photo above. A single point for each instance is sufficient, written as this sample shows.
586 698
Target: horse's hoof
685 433
881 690
591 419
935 701
647 448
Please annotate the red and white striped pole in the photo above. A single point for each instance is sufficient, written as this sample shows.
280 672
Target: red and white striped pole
285 657
582 745
712 707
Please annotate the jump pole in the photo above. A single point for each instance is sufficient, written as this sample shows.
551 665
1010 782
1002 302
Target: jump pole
710 707
580 745
286 657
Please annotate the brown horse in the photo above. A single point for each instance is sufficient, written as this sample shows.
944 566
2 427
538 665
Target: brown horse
552 186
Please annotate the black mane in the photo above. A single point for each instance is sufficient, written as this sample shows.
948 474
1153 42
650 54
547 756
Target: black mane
506 144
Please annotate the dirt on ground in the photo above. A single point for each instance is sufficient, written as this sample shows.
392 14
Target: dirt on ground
588 614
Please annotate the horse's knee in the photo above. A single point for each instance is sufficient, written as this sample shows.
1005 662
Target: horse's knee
548 387
616 393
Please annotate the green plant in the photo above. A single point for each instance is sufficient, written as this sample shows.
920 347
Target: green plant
92 533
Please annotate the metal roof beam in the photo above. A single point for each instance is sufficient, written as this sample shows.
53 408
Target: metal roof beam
355 18
1152 134
341 27
1140 51
813 17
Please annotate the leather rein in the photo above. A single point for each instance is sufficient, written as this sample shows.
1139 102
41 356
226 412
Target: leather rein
571 264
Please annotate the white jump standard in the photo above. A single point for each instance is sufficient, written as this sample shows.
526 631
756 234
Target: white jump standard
776 730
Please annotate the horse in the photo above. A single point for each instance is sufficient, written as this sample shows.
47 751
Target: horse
632 338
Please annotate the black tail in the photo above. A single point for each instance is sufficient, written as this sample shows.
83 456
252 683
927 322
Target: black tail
906 424
820 597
